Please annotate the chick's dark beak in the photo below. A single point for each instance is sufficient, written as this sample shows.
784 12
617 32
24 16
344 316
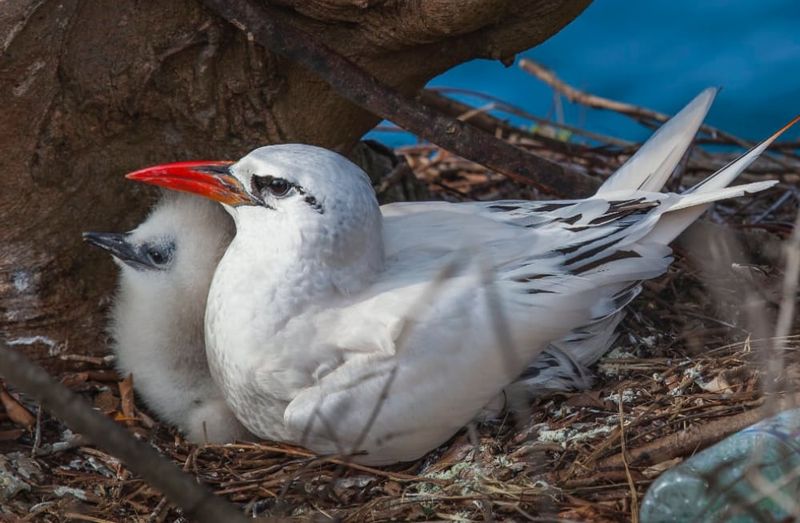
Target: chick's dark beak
118 246
114 242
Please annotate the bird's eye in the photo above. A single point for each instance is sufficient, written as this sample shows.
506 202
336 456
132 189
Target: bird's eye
157 256
277 187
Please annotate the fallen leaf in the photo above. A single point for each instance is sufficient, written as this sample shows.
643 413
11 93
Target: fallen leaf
106 402
718 384
16 410
11 434
590 398
73 379
658 468
126 398
731 380
393 488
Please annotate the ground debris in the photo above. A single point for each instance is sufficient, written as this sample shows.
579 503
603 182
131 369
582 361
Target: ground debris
687 370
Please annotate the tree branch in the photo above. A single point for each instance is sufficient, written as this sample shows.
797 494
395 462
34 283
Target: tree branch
696 437
197 502
363 89
598 102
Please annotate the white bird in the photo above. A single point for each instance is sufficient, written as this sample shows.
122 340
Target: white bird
331 327
157 319
166 265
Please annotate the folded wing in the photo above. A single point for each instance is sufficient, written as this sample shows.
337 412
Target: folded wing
471 296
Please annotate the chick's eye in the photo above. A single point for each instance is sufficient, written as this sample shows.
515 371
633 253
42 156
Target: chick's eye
156 256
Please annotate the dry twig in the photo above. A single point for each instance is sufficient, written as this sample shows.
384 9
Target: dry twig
694 438
622 451
598 102
196 501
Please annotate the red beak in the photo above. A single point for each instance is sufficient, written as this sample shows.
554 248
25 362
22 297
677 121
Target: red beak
209 179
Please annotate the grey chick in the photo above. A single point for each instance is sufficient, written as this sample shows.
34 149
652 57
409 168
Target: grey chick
166 265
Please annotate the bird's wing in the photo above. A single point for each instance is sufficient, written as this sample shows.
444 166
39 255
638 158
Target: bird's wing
509 278
563 365
514 285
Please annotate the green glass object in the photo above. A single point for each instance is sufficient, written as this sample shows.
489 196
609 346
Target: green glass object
753 475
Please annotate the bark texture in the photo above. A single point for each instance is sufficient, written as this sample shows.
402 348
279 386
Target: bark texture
91 90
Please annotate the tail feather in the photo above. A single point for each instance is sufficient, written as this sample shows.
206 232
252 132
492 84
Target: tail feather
650 168
696 200
563 364
727 174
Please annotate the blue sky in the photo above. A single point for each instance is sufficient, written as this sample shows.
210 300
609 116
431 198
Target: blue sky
659 54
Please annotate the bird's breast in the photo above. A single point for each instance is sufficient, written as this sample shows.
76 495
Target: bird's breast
263 349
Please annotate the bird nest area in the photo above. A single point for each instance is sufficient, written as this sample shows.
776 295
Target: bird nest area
698 359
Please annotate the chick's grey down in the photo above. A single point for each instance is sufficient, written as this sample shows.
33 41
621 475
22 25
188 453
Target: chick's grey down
166 265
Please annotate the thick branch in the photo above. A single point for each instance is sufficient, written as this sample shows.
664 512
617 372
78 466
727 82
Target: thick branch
642 114
196 501
361 88
697 437
490 124
598 102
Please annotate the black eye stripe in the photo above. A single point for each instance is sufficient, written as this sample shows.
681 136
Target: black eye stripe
260 184
314 204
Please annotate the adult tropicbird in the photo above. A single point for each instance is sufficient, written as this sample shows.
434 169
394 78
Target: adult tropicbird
319 303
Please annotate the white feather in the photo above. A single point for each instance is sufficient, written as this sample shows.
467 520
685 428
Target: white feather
157 319
651 166
713 188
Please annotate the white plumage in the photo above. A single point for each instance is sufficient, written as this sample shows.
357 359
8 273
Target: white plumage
333 326
166 265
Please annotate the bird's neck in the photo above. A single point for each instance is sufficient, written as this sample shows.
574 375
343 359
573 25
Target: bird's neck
268 279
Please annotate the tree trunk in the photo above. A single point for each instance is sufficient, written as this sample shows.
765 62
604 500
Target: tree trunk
91 90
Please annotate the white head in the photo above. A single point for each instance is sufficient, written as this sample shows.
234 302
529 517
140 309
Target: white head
294 201
166 265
